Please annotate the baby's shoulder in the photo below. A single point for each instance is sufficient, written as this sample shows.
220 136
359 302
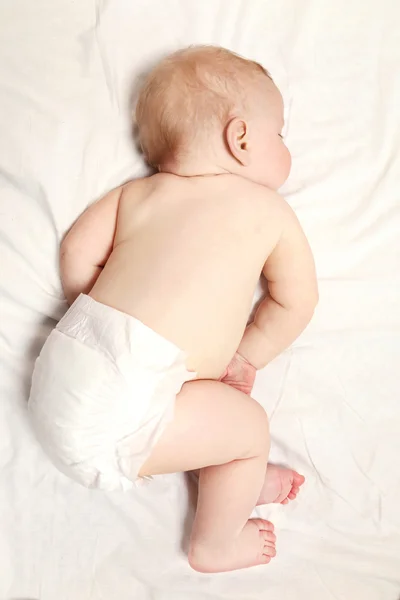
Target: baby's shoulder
134 186
255 194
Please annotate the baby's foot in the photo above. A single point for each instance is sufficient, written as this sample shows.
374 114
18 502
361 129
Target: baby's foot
255 545
280 486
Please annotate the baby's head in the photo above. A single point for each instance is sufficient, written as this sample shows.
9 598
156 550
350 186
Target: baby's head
205 110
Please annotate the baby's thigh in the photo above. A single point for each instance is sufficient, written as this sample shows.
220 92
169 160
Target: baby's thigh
213 424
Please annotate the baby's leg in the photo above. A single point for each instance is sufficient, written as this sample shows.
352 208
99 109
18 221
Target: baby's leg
225 431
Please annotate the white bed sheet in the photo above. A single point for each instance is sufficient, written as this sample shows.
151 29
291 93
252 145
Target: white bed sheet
66 75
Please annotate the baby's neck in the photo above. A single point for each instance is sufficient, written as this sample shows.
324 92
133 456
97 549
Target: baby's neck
193 169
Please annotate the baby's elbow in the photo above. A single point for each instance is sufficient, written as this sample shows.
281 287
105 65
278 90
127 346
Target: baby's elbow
311 296
310 307
65 249
70 262
306 308
314 299
70 253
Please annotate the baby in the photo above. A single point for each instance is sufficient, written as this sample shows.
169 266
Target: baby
161 274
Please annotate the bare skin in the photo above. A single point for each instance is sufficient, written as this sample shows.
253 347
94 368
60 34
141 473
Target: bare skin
280 486
223 537
161 237
171 250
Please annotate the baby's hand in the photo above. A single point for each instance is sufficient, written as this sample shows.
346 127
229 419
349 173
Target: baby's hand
240 374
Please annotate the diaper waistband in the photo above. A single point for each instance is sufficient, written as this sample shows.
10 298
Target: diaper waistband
115 333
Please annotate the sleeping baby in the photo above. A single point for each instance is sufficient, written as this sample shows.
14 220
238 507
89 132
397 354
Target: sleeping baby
160 275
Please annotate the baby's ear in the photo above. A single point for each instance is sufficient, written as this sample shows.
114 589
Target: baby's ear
237 140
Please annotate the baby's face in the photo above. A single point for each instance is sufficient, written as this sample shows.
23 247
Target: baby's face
270 158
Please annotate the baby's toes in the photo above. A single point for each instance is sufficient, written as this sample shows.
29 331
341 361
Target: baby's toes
263 525
269 538
265 559
298 479
267 532
269 550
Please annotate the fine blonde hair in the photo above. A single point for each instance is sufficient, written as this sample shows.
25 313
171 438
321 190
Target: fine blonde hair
187 93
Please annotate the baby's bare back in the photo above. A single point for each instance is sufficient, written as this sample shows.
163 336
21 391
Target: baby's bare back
187 257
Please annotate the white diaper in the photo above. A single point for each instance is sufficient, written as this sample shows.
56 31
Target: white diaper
103 390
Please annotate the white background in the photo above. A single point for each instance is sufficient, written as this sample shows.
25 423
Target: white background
67 72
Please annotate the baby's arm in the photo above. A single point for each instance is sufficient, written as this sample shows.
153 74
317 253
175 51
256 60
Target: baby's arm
88 245
293 295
